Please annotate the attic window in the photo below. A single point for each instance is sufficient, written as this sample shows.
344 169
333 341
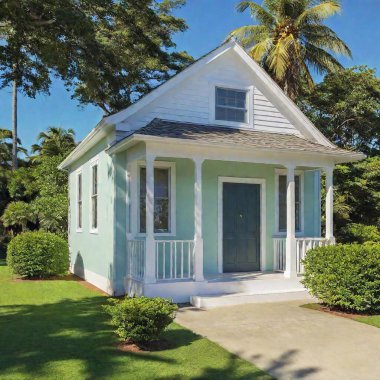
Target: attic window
231 105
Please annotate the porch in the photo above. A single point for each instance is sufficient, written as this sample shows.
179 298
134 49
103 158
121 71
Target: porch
182 253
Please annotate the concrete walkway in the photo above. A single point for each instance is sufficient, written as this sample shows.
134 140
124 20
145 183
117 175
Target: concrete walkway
291 342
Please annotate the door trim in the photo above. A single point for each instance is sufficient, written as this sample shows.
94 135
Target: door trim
253 181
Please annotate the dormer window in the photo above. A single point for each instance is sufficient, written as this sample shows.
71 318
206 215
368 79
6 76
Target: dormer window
231 105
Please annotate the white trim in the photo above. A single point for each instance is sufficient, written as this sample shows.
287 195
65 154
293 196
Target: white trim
78 173
94 162
238 86
299 173
101 282
255 181
172 198
169 84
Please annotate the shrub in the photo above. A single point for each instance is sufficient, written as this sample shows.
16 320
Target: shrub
345 276
140 319
359 233
38 254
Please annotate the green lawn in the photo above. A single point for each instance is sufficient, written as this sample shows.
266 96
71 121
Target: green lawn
56 330
373 320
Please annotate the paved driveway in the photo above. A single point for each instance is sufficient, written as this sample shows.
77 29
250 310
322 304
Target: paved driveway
291 342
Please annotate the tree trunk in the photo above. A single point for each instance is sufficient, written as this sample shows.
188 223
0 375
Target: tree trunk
14 126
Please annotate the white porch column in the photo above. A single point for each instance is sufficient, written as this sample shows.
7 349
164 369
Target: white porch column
198 238
329 204
291 254
150 254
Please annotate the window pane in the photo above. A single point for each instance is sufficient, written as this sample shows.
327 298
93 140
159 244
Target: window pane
230 105
161 200
282 203
79 187
230 114
95 179
80 215
282 184
94 201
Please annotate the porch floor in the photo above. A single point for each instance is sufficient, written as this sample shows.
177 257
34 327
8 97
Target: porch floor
244 276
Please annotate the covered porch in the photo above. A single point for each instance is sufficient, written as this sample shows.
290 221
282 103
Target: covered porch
188 259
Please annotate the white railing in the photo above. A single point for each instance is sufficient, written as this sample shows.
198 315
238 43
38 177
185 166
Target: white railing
303 245
174 259
279 249
136 259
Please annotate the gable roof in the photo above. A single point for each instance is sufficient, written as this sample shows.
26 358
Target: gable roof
226 136
268 86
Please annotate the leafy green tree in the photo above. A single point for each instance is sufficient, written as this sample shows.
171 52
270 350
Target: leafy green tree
291 39
345 106
357 189
54 142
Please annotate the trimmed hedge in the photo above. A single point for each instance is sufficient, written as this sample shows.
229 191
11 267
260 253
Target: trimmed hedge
140 319
345 276
38 254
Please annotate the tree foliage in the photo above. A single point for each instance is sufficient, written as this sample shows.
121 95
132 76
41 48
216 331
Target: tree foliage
345 106
291 38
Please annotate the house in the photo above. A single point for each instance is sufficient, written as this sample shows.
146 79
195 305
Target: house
208 185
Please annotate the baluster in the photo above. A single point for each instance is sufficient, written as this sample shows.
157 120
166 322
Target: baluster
188 259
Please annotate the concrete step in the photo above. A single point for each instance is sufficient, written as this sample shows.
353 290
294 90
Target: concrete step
220 300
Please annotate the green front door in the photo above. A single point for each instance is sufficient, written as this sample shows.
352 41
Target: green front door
241 227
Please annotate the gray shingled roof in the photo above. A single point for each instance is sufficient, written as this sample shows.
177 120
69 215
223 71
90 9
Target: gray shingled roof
224 135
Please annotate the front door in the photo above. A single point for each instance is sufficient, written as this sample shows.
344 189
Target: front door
241 227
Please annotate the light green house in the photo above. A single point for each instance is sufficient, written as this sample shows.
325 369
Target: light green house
208 185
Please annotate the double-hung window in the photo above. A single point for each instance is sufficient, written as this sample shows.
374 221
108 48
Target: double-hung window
282 209
94 197
231 105
162 200
79 202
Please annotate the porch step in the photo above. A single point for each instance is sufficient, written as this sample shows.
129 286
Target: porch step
219 300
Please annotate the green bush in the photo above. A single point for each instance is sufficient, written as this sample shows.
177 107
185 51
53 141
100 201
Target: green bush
359 233
345 276
140 319
38 254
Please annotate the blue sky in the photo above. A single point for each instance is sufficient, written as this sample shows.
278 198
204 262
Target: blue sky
209 22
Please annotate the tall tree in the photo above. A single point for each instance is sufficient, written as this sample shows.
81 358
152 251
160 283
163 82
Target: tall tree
345 106
109 52
291 39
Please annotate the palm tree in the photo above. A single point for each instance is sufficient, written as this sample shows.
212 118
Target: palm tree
55 141
6 146
291 39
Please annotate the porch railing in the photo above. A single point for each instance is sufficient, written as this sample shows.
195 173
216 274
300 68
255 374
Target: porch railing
174 259
136 259
303 245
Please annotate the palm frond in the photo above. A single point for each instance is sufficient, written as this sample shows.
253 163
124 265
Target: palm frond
257 12
325 38
320 59
278 58
250 35
261 49
318 12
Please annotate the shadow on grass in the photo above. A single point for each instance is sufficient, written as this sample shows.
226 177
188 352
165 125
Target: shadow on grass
3 262
33 335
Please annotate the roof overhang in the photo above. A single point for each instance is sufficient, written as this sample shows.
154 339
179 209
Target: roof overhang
96 135
130 141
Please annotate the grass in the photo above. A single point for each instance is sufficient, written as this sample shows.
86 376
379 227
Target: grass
373 320
56 330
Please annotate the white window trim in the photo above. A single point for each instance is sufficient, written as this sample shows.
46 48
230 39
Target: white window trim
263 214
77 173
172 197
94 161
299 173
232 86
